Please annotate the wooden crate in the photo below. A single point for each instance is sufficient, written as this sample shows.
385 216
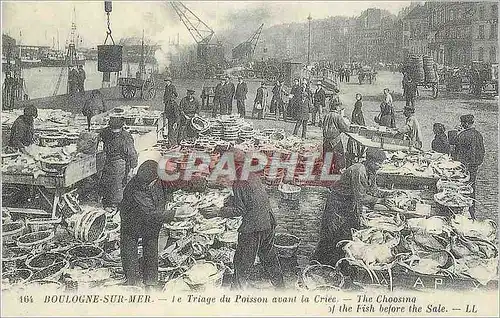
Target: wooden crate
80 169
407 182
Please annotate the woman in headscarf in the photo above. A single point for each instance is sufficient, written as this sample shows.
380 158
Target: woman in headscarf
354 149
142 213
121 158
343 207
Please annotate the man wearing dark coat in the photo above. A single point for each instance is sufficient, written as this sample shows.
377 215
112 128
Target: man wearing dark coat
226 97
294 101
319 104
241 96
230 97
256 232
189 107
217 110
171 111
22 130
469 150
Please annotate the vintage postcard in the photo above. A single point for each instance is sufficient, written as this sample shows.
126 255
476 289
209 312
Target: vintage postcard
250 158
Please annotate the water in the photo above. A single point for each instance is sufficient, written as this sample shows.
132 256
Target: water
42 81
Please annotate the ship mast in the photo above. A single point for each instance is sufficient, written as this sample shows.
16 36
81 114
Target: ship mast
71 54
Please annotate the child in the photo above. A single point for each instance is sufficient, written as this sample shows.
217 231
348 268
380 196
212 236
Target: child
440 142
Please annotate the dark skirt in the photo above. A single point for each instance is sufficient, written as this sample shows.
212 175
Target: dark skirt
337 150
113 180
338 218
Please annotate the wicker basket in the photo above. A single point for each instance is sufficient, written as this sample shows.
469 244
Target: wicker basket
35 239
335 278
14 262
43 260
213 281
43 224
52 272
84 251
292 194
286 245
16 277
12 230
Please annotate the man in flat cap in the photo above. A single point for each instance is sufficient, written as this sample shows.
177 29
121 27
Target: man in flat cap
355 189
412 127
260 101
469 150
171 112
241 96
189 107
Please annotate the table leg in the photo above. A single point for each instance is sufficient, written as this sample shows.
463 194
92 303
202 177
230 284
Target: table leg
57 196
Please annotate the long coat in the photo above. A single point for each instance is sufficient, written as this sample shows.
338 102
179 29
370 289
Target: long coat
304 107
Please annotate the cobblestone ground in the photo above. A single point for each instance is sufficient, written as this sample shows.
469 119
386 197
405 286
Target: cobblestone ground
303 218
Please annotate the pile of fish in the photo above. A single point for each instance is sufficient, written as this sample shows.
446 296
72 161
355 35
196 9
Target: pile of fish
403 201
46 118
32 162
426 245
427 165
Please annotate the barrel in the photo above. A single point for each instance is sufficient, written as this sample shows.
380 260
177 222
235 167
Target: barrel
109 58
87 226
415 65
429 71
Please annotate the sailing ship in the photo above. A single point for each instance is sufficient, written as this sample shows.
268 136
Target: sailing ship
54 58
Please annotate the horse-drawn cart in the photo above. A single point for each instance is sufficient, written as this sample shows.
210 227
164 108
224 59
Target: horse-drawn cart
130 85
423 71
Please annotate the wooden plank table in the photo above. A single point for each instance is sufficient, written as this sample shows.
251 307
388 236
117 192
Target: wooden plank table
369 143
76 171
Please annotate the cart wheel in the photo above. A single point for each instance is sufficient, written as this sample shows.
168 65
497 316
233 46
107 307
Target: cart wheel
435 90
148 89
271 73
128 91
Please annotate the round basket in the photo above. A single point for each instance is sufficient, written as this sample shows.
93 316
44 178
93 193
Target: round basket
53 167
33 239
465 202
177 233
55 139
88 226
228 239
42 224
12 230
289 192
52 272
212 281
461 188
84 251
149 121
321 277
14 257
15 277
286 245
43 260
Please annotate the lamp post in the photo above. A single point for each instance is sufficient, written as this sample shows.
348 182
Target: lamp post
309 18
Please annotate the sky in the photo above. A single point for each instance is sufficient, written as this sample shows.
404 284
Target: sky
40 21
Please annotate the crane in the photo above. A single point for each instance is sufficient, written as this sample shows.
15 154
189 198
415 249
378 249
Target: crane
246 49
210 56
199 30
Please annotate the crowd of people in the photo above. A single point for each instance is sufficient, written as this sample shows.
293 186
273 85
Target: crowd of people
76 79
140 198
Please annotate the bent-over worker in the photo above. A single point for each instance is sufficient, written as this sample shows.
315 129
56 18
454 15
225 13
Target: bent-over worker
343 207
22 130
256 233
334 124
142 214
412 127
121 158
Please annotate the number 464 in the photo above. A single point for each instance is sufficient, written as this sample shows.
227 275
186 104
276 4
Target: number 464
26 299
